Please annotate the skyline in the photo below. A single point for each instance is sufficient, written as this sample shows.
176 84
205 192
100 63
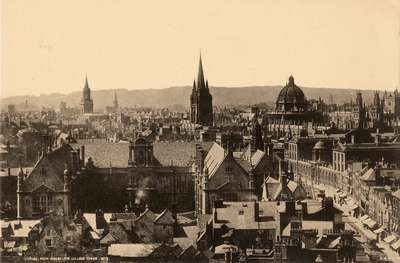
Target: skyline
143 45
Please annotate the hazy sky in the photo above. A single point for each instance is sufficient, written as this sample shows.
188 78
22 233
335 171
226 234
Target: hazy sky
49 45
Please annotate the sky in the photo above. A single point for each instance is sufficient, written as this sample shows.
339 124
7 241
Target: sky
47 46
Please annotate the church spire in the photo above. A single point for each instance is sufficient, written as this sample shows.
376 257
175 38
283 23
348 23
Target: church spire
200 75
86 82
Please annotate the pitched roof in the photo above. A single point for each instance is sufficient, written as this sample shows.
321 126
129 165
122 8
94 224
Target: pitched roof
396 194
241 215
243 163
54 165
132 250
117 154
214 158
292 185
369 175
256 158
165 218
108 239
21 228
270 188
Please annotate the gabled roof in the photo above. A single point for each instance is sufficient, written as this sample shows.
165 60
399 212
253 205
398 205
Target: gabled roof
397 194
257 157
292 185
270 187
53 164
108 239
148 213
165 218
214 158
369 175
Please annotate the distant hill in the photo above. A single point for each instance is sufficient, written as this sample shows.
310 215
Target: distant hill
180 96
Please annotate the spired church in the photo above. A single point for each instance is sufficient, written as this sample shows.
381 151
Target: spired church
201 108
87 101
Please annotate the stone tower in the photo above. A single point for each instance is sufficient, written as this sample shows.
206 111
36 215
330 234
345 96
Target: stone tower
201 109
87 102
115 101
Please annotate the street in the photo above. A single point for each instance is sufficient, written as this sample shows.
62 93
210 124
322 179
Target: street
353 223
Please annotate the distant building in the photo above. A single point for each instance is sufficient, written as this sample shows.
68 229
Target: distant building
142 172
222 174
292 108
63 107
11 108
48 186
87 101
201 108
115 106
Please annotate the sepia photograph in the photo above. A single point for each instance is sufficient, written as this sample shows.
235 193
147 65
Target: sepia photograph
221 131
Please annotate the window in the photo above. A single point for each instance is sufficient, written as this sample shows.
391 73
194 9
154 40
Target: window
42 203
48 242
27 202
228 169
229 196
69 238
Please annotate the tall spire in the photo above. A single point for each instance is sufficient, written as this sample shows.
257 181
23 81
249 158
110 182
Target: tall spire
200 76
86 82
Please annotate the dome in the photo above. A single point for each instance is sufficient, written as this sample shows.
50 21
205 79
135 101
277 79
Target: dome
291 98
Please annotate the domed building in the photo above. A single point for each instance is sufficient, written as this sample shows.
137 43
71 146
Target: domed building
292 114
291 98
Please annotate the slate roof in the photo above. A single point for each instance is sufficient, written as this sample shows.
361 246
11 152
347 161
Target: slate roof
54 164
108 239
188 236
166 215
214 158
117 154
256 158
243 163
